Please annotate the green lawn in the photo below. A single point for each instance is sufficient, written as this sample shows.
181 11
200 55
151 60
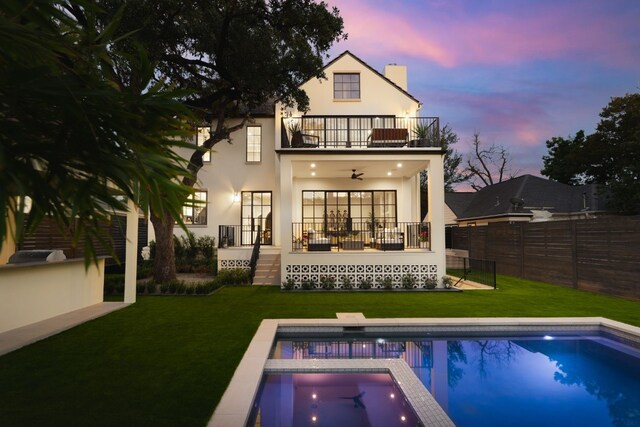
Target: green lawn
167 360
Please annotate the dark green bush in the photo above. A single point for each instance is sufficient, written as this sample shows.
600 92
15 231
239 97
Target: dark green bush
387 283
113 284
327 282
408 281
288 284
365 284
236 276
347 283
207 246
308 284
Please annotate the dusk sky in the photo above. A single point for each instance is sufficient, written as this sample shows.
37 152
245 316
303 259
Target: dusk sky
518 72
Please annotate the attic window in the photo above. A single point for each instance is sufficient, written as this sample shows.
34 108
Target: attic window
346 86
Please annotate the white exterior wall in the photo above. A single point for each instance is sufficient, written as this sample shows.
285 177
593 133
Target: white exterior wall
228 172
33 292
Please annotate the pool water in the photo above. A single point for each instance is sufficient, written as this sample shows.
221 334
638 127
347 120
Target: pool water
493 382
324 400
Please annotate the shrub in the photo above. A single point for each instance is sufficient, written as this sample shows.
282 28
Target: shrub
365 284
201 289
145 269
308 284
164 288
151 287
236 276
140 288
190 289
206 246
288 284
152 249
347 283
447 282
178 248
387 282
113 284
190 245
430 283
327 282
408 281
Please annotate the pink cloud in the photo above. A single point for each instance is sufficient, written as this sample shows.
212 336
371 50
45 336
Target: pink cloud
452 36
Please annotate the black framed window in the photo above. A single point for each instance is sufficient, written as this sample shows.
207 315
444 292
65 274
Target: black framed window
349 210
346 86
254 144
194 212
202 134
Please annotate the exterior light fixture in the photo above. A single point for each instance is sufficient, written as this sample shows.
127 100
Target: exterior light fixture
314 396
236 197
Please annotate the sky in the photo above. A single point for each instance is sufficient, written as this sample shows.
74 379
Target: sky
517 72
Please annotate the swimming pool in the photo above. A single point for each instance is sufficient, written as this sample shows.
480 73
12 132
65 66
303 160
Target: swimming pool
467 372
576 380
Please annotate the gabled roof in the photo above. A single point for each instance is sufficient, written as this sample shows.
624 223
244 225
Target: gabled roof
458 201
346 52
519 196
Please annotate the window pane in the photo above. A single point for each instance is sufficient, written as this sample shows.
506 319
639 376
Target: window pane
346 86
254 144
195 210
202 134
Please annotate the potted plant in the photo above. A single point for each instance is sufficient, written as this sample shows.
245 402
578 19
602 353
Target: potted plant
297 244
421 133
296 134
423 239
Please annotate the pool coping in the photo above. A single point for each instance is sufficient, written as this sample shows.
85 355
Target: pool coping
235 406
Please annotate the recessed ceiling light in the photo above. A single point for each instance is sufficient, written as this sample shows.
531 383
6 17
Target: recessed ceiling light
313 174
399 165
313 165
389 173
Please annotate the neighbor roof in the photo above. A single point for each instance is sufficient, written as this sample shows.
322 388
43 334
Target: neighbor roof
458 201
518 196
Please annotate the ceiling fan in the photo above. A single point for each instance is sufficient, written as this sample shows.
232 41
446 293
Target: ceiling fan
355 175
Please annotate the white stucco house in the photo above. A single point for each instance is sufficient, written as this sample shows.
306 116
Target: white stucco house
333 191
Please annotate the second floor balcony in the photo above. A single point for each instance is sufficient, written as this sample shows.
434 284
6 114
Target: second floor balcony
360 132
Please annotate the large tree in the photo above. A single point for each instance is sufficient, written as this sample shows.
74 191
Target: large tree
72 140
609 157
488 165
452 173
232 55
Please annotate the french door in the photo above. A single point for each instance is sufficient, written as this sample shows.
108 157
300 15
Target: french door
255 215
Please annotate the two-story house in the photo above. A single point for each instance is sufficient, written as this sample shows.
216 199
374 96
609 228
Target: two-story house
333 191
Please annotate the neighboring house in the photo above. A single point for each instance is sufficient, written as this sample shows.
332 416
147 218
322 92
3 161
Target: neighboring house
527 198
334 191
455 204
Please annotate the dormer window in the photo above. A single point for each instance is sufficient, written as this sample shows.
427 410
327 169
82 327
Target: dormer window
346 86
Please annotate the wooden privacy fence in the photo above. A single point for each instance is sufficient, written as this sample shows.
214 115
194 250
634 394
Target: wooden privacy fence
598 255
47 236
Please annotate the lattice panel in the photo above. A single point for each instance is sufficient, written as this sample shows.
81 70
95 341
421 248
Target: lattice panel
358 272
230 264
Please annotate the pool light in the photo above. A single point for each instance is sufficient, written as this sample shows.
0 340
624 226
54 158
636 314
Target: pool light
547 337
314 396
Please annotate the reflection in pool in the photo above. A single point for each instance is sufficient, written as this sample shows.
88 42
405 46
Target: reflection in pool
354 400
566 381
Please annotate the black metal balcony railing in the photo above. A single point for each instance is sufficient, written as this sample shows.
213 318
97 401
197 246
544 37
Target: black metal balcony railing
360 132
396 236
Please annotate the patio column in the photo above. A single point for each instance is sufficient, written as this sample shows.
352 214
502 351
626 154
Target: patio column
436 213
131 257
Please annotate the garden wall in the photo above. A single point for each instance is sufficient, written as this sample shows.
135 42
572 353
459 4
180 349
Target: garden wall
598 255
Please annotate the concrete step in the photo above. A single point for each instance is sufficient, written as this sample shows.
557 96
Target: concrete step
268 270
